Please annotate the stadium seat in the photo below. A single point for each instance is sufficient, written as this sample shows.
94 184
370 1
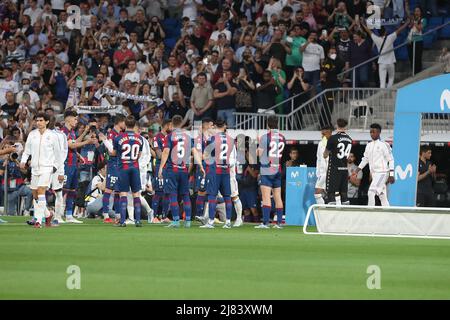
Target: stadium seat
401 53
428 40
170 42
445 32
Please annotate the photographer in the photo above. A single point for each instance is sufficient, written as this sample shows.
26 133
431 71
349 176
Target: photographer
16 178
34 100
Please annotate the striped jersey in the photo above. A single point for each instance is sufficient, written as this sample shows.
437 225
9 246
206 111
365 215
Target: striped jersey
71 160
128 146
218 153
179 144
158 144
112 135
272 144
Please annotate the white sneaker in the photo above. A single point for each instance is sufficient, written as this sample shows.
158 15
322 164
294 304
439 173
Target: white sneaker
227 226
238 223
277 226
60 220
262 226
129 221
26 213
71 219
207 226
202 220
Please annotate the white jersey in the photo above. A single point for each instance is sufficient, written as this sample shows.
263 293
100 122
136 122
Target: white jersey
321 163
145 157
378 155
64 147
45 151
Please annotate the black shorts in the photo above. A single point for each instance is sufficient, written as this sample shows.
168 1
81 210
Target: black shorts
337 181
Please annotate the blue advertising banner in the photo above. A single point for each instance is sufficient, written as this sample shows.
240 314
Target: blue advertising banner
300 185
428 96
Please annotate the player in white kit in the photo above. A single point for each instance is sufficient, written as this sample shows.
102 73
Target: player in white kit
57 183
43 146
378 155
322 165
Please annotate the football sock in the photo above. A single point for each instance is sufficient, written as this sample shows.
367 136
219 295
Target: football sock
174 207
187 207
238 208
137 208
279 215
123 209
212 203
266 214
200 204
105 203
228 207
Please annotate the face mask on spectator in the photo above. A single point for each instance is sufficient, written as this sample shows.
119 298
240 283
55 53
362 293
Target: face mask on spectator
333 56
26 87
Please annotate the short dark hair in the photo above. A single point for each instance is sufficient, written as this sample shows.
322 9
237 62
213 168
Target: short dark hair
202 74
424 149
375 126
177 121
119 118
70 113
341 123
42 115
130 121
272 122
165 122
220 123
327 127
207 119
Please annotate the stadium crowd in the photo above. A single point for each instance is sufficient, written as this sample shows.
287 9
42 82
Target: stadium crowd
229 56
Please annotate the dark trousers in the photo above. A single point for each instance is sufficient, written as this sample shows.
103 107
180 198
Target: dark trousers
418 55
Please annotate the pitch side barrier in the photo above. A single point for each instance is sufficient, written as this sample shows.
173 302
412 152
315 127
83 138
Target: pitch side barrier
398 222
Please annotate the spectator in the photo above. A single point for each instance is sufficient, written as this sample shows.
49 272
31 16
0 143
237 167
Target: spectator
332 66
354 181
265 93
123 54
280 79
415 48
33 11
262 37
7 84
95 194
340 16
425 179
16 184
13 53
37 40
385 46
313 56
296 40
202 99
10 107
220 30
224 97
444 58
278 48
245 92
297 86
247 45
359 52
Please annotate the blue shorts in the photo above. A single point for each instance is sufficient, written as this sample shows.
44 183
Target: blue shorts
129 178
272 180
218 182
176 182
198 181
249 198
157 186
70 177
112 177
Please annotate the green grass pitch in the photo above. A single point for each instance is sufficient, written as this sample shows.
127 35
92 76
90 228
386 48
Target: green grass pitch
154 262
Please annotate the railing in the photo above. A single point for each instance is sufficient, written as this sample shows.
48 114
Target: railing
360 106
352 70
251 120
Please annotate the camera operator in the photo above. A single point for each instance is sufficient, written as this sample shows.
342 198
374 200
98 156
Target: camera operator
88 151
16 178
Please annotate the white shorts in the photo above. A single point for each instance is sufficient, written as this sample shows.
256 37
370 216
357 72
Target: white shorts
55 184
40 180
144 180
234 186
378 184
321 182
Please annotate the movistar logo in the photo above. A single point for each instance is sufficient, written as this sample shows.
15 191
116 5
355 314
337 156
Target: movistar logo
445 99
403 174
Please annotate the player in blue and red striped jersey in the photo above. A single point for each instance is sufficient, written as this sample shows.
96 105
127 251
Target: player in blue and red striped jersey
199 179
159 196
127 148
219 156
270 151
71 164
112 171
175 161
